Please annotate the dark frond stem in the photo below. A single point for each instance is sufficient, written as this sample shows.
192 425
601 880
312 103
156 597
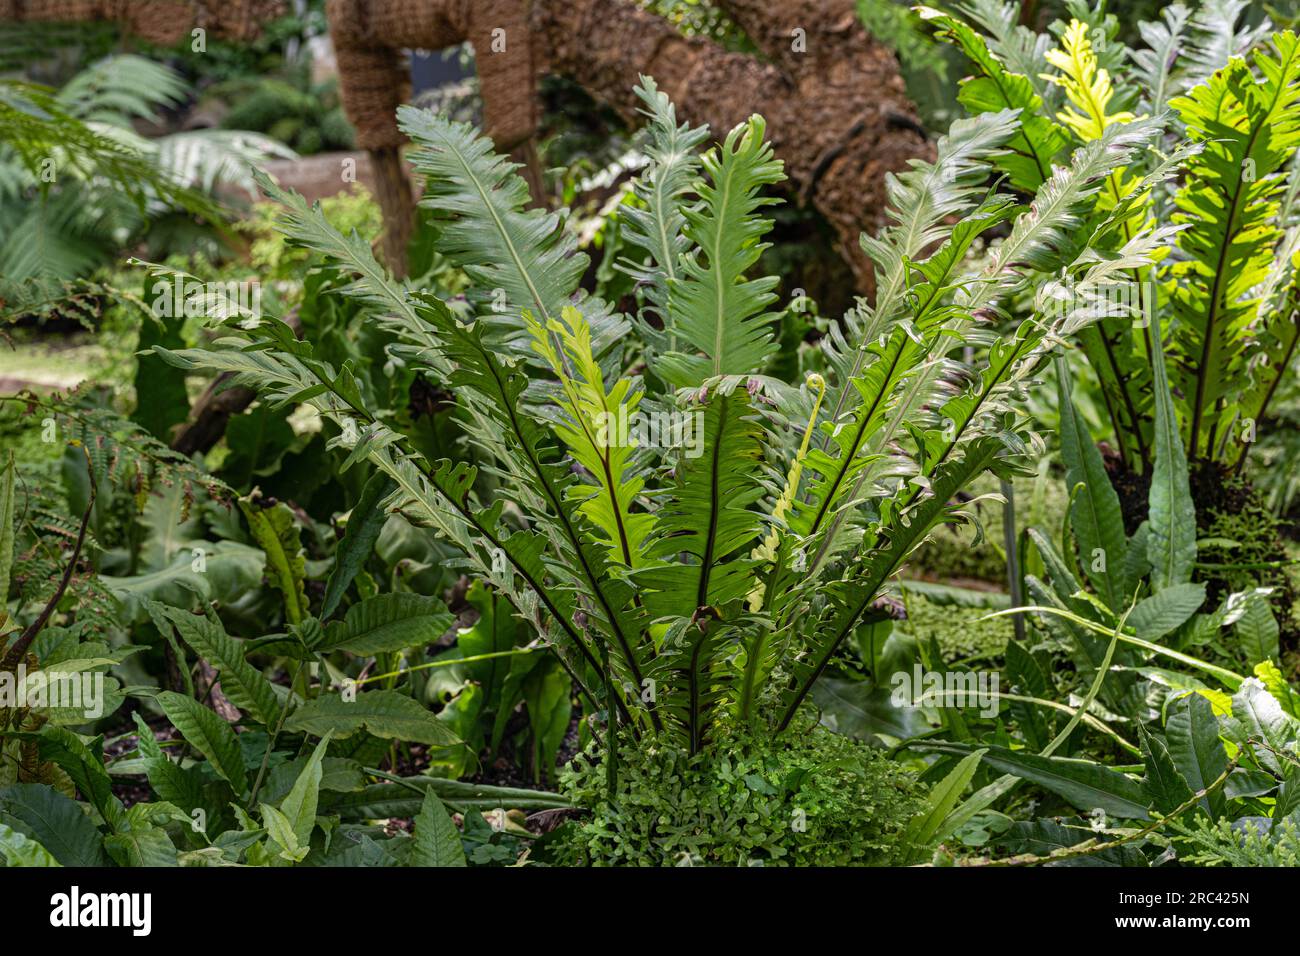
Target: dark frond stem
19 649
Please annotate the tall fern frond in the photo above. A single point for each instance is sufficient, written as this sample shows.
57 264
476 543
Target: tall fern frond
921 200
1158 66
656 224
595 427
1216 37
717 315
708 514
994 88
1250 127
518 258
120 88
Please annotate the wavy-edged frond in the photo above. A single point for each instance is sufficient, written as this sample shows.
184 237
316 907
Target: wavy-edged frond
282 370
921 200
1250 127
850 599
1088 87
206 158
1217 37
656 225
1020 48
118 89
994 88
518 258
352 257
1157 67
596 428
707 521
1061 206
718 316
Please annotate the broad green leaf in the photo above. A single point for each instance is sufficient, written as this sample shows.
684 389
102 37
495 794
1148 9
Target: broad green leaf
384 713
1277 685
18 849
362 531
274 531
1085 784
857 709
281 831
397 800
144 846
1166 611
85 765
388 622
933 824
437 841
1171 522
54 821
1095 513
1258 630
209 734
299 807
241 682
547 692
230 570
1192 732
1259 723
1164 785
185 787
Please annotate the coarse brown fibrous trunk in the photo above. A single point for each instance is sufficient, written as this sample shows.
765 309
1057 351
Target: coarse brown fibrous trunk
833 98
836 109
158 21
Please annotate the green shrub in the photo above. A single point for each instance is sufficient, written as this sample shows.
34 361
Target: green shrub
812 798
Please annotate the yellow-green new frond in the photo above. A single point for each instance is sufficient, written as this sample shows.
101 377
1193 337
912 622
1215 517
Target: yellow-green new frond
596 428
1087 87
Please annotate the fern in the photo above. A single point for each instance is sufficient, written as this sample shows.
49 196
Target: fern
519 260
1039 140
655 224
1250 126
680 581
712 308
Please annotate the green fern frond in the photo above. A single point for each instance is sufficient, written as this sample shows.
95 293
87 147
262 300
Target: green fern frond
656 226
713 310
120 88
595 429
1250 127
994 88
518 258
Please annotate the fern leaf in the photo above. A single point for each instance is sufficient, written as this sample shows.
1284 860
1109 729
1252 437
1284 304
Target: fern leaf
657 229
712 308
485 228
1250 128
994 88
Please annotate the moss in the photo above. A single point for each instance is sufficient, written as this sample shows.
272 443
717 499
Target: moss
813 798
960 633
1245 535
